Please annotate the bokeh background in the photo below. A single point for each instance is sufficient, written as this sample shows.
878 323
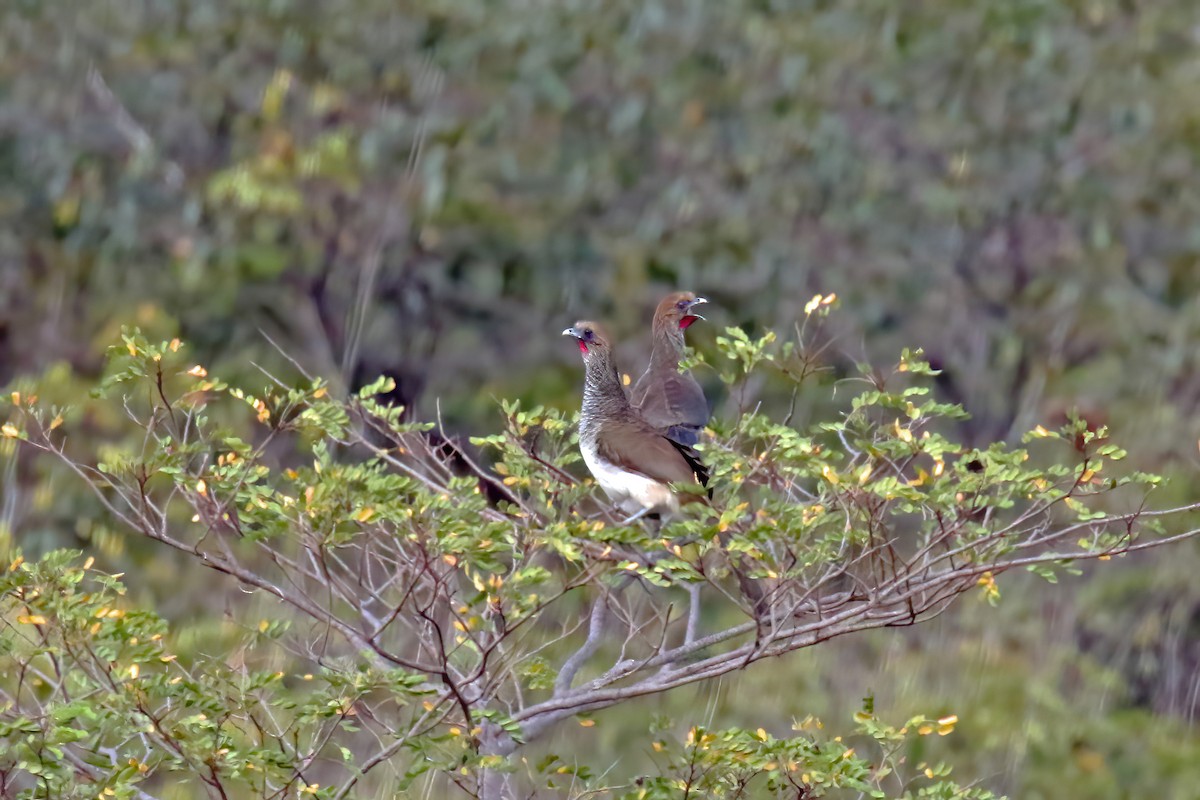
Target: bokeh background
433 189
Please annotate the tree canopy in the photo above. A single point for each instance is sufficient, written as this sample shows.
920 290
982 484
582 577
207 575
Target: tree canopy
442 631
313 198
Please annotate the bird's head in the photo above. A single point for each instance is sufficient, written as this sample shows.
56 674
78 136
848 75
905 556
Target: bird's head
677 310
591 336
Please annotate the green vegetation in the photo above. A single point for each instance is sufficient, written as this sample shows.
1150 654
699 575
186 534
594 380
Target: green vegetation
307 196
416 631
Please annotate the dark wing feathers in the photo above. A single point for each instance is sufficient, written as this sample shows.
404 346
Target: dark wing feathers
685 435
699 468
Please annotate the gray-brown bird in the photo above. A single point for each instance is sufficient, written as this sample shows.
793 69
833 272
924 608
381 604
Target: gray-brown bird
633 462
671 401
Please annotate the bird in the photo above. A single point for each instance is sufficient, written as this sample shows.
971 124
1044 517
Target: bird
634 463
671 401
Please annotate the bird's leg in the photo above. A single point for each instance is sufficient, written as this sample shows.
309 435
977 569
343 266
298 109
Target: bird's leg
643 513
635 517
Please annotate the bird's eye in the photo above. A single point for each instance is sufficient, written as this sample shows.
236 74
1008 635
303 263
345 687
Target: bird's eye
587 332
682 305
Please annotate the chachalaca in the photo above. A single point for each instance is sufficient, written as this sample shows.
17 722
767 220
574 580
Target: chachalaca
634 463
671 401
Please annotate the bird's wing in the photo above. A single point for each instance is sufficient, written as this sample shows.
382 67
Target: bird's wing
668 398
685 435
699 468
634 446
686 399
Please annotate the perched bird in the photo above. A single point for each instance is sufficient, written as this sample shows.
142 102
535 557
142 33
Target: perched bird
634 463
669 400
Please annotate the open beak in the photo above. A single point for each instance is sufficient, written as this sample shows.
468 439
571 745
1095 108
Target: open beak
692 316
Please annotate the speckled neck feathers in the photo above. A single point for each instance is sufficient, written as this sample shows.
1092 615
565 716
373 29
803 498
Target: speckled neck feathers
603 395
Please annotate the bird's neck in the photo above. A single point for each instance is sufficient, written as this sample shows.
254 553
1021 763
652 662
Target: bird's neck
667 346
603 395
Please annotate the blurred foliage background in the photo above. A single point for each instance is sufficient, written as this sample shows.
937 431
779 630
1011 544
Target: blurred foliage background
431 190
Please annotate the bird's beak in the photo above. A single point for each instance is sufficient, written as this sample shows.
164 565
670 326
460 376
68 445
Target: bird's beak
583 348
691 316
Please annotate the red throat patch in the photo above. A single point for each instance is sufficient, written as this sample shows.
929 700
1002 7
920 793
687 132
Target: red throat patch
687 319
582 347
